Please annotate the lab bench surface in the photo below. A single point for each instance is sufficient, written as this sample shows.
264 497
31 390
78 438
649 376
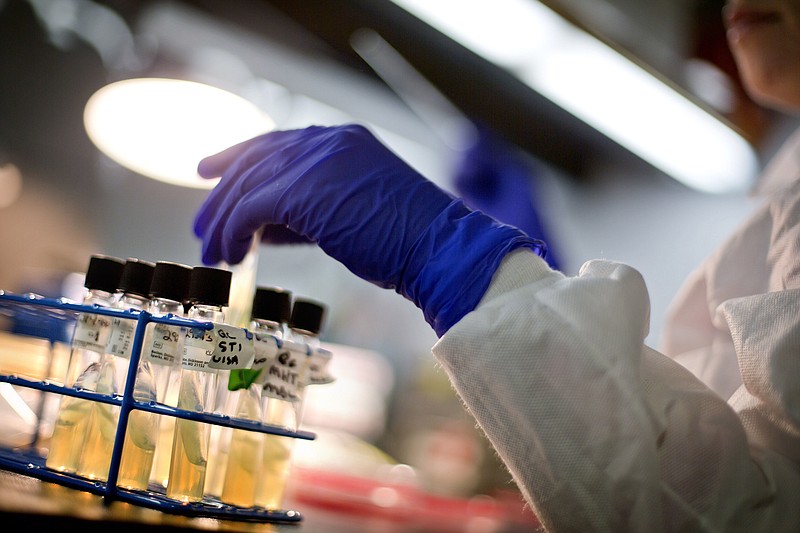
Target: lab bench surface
37 505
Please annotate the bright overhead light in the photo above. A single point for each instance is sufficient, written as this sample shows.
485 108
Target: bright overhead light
600 86
162 128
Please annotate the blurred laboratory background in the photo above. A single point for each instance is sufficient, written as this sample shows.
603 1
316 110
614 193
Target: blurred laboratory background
625 119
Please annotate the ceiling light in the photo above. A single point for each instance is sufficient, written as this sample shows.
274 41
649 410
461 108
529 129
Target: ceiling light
599 85
162 128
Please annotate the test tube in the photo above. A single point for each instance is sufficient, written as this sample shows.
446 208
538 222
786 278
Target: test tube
88 345
284 405
157 365
208 291
270 312
113 370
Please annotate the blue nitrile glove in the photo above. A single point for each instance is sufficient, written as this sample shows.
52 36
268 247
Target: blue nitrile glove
493 176
341 188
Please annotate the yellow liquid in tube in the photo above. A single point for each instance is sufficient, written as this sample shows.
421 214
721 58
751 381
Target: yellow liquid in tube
215 475
139 446
96 452
166 434
244 468
102 429
138 450
189 460
220 440
243 458
276 455
102 426
73 420
78 367
69 431
168 386
243 283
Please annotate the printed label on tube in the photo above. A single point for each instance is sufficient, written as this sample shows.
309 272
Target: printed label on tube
164 348
121 337
198 345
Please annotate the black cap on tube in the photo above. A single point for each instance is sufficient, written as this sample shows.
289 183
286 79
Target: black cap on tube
136 277
307 315
104 273
210 286
272 303
170 281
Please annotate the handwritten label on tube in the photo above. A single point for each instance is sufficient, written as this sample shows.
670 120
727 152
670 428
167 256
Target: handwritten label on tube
318 373
92 332
232 348
198 345
287 372
266 348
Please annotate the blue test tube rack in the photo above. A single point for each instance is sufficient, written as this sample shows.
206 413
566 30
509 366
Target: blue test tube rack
28 462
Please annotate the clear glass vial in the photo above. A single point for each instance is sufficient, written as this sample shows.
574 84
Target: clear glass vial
208 291
157 365
113 371
270 312
302 337
88 345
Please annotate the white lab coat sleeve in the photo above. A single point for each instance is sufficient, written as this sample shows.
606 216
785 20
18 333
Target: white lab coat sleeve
766 332
600 432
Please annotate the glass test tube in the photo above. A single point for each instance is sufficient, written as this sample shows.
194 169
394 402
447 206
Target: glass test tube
157 367
208 290
113 370
88 344
285 407
238 312
270 312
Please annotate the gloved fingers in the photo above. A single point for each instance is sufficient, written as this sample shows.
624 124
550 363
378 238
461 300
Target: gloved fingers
240 177
268 162
253 162
239 227
216 200
234 249
256 207
251 151
213 215
291 157
215 203
216 165
278 192
280 234
212 244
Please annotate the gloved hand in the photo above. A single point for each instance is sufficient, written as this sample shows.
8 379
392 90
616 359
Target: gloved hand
341 188
493 177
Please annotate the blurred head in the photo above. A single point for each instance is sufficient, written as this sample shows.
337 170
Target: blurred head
764 36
